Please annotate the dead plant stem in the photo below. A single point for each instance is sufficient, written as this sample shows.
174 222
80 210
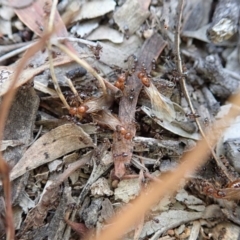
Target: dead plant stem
78 40
69 81
16 51
185 90
52 15
54 79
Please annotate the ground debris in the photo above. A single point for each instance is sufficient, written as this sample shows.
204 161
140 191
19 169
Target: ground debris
86 138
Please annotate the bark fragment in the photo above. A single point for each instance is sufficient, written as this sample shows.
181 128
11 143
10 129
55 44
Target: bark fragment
122 145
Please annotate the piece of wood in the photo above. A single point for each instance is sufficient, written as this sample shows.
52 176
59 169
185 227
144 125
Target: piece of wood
123 146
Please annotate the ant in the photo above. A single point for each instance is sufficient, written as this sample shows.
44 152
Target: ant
127 135
154 64
192 115
126 31
96 50
144 77
120 83
230 192
79 111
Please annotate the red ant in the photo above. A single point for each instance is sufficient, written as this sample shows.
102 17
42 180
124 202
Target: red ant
123 131
80 111
231 192
144 78
192 115
120 83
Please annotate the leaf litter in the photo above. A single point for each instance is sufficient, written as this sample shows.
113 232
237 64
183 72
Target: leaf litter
134 116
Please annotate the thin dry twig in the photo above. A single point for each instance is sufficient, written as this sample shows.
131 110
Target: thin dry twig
55 81
185 90
14 49
74 90
79 40
52 15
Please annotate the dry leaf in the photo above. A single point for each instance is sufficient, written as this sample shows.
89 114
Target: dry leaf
95 8
131 15
160 103
174 127
106 33
127 190
52 145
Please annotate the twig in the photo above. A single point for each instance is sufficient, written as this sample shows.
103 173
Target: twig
55 81
184 87
52 15
84 64
16 51
69 81
79 40
38 134
177 35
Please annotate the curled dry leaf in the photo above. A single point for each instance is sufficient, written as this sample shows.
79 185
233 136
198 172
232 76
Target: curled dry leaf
160 103
47 201
106 118
98 104
172 126
106 33
52 145
225 21
100 188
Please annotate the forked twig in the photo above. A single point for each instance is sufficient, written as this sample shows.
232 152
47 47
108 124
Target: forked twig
185 91
74 90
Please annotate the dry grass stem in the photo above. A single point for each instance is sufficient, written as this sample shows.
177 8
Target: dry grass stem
70 84
16 51
52 15
78 40
55 81
185 90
